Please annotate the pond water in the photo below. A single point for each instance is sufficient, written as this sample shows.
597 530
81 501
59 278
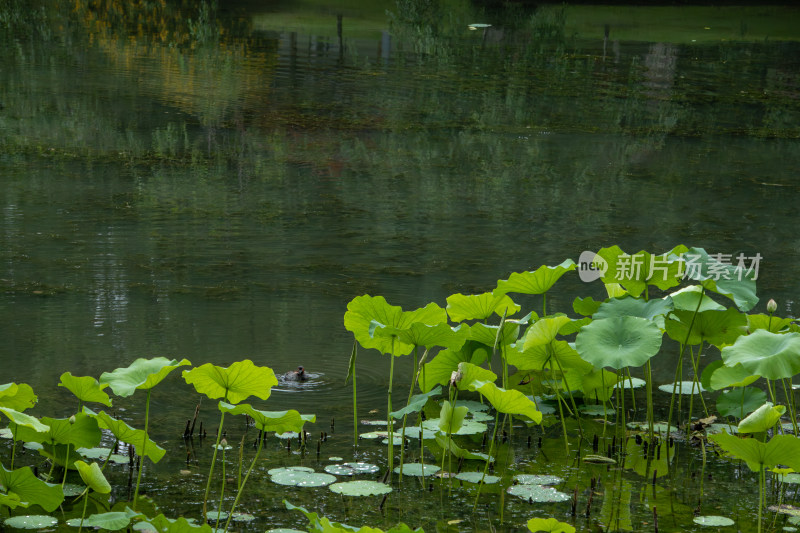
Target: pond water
217 184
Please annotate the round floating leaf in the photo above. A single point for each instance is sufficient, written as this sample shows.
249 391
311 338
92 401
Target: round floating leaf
141 374
412 432
111 521
790 478
360 488
31 521
712 520
618 342
283 469
771 355
683 387
632 383
537 493
658 427
375 435
72 489
301 478
475 477
418 469
596 410
537 479
317 480
233 384
351 469
549 525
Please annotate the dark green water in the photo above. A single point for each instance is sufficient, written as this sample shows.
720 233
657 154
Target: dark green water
180 182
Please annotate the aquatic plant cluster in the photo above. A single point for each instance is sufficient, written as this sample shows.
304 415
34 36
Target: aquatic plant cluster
492 371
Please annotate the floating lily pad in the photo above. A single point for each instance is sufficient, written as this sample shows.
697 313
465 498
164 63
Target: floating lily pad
412 432
683 387
713 429
632 383
351 469
596 410
469 427
397 439
537 493
273 471
658 427
6 433
790 478
360 488
38 521
711 520
287 435
217 516
472 405
479 416
537 479
374 422
297 478
334 458
475 477
418 469
374 435
72 489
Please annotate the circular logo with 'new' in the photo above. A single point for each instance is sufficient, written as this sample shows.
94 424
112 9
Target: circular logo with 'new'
591 266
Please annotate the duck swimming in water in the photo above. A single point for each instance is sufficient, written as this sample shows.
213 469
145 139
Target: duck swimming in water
296 375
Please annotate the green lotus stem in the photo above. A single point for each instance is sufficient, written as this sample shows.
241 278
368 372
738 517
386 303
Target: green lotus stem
222 488
66 467
85 503
213 461
649 388
569 392
761 496
355 403
696 378
389 420
405 416
486 464
790 401
142 455
680 356
769 389
544 304
246 477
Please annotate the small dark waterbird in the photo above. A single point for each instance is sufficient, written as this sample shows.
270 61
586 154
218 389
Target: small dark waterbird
296 375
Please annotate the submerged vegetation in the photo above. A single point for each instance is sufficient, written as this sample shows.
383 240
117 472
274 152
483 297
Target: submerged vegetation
486 373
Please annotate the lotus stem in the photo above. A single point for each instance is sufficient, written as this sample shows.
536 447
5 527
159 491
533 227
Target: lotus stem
244 481
649 386
142 455
390 422
213 461
486 465
222 488
680 356
355 403
790 402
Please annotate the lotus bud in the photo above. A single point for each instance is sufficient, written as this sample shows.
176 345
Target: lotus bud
771 306
72 419
223 442
455 377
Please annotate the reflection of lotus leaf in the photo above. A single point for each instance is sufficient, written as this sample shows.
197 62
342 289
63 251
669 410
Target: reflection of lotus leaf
683 387
470 427
537 493
351 469
417 469
360 488
31 522
711 520
536 479
475 477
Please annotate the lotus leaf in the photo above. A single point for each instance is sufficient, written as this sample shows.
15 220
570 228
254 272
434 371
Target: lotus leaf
93 477
479 306
712 520
537 493
536 282
31 489
31 521
419 334
86 388
762 419
771 355
415 404
618 342
549 525
439 370
141 374
417 469
360 488
537 479
477 477
233 384
687 299
111 521
731 281
351 469
716 327
781 449
17 397
682 387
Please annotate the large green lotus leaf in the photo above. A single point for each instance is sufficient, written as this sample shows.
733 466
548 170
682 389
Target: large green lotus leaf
773 324
479 306
141 374
419 334
467 373
629 306
543 331
762 419
549 525
416 403
725 279
771 355
539 356
17 397
277 421
451 418
574 326
81 431
488 335
716 327
233 384
511 402
362 310
439 370
22 420
731 376
536 282
636 271
86 388
688 298
740 402
586 306
598 384
93 477
111 521
781 449
456 450
31 489
128 435
618 342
